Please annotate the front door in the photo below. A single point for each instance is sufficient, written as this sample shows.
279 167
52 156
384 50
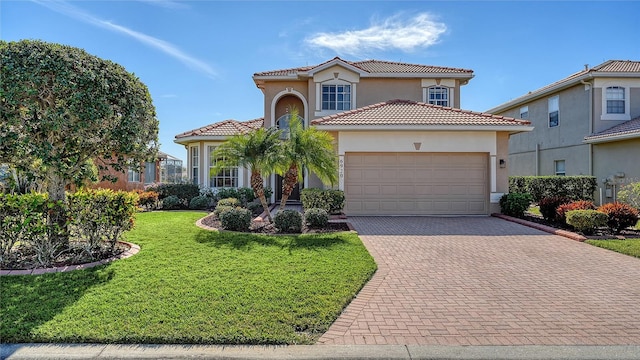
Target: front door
295 194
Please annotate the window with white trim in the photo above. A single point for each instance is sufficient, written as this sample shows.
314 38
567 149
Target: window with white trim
336 97
194 154
438 95
149 172
559 168
133 175
615 100
524 112
227 177
554 111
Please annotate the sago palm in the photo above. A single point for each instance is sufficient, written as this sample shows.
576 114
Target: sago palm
257 150
306 148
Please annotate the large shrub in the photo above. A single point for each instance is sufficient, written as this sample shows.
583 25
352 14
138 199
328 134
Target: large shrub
171 202
236 219
563 209
199 202
586 221
630 194
620 216
23 220
288 221
330 200
515 204
549 206
316 218
573 187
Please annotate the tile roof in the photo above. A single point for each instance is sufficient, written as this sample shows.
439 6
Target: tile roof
606 68
374 67
405 112
631 127
224 128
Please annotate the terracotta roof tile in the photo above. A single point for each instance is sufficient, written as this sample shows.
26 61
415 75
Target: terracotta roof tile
405 112
626 128
374 67
224 128
623 66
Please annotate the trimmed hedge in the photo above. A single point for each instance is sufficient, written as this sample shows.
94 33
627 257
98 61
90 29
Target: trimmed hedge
316 218
573 187
515 204
244 194
235 219
184 192
330 200
199 202
288 221
586 221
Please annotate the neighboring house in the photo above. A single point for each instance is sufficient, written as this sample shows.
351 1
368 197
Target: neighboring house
172 170
137 180
419 155
585 124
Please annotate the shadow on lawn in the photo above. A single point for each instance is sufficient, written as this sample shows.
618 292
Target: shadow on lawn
244 241
29 301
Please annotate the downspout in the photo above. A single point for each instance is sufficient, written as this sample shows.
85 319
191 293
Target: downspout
590 85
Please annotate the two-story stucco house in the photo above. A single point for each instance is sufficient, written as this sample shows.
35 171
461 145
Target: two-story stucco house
404 146
585 124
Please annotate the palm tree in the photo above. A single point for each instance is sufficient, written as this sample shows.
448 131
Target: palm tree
257 150
306 148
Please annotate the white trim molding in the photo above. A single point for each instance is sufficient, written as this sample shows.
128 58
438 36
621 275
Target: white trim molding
285 92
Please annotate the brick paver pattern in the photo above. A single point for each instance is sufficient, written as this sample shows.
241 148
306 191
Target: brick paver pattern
487 281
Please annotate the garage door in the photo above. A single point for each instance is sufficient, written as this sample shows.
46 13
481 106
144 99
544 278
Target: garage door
416 183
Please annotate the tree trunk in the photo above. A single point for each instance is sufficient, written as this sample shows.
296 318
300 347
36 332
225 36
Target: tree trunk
57 216
258 190
288 183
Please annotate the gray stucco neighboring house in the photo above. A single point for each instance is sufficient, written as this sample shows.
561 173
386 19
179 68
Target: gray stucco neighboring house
585 124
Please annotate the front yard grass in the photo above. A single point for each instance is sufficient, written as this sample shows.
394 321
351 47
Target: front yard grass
628 246
189 285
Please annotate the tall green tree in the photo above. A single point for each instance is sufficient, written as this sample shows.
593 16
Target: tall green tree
258 151
308 148
63 107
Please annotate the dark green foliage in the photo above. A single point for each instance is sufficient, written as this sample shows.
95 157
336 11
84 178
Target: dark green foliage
330 200
563 209
586 221
288 221
199 203
255 207
220 209
184 192
244 194
620 216
23 220
515 204
233 202
316 218
171 202
549 206
573 187
236 219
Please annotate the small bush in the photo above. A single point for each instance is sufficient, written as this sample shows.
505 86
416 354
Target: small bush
620 216
630 195
148 200
233 202
220 209
586 221
236 219
184 192
199 202
515 204
255 207
171 203
549 206
576 205
316 218
330 200
288 221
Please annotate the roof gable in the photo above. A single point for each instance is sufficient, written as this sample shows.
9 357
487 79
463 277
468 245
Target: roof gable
626 130
412 113
224 128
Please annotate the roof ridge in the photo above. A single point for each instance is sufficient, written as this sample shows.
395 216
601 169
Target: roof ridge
403 63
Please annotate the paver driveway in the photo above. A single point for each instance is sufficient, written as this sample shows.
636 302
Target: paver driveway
487 281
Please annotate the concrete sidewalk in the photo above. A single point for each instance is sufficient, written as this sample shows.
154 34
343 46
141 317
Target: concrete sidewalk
344 352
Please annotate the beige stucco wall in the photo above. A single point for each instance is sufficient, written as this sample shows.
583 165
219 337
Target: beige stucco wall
372 91
274 90
614 158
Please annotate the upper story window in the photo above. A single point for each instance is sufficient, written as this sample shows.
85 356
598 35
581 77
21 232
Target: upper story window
554 111
336 97
438 95
283 124
524 112
194 154
227 177
615 100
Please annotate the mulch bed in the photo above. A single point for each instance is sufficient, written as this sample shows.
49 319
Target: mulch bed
265 227
23 259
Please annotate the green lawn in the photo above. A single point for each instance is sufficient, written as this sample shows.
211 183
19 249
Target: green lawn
188 285
628 246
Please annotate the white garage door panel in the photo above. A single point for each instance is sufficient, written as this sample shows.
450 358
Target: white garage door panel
416 183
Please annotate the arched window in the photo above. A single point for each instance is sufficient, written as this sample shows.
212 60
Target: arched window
283 124
438 95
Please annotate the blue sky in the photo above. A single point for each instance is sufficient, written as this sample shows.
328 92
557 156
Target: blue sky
197 57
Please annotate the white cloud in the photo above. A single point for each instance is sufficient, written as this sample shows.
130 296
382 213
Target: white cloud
67 9
394 33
